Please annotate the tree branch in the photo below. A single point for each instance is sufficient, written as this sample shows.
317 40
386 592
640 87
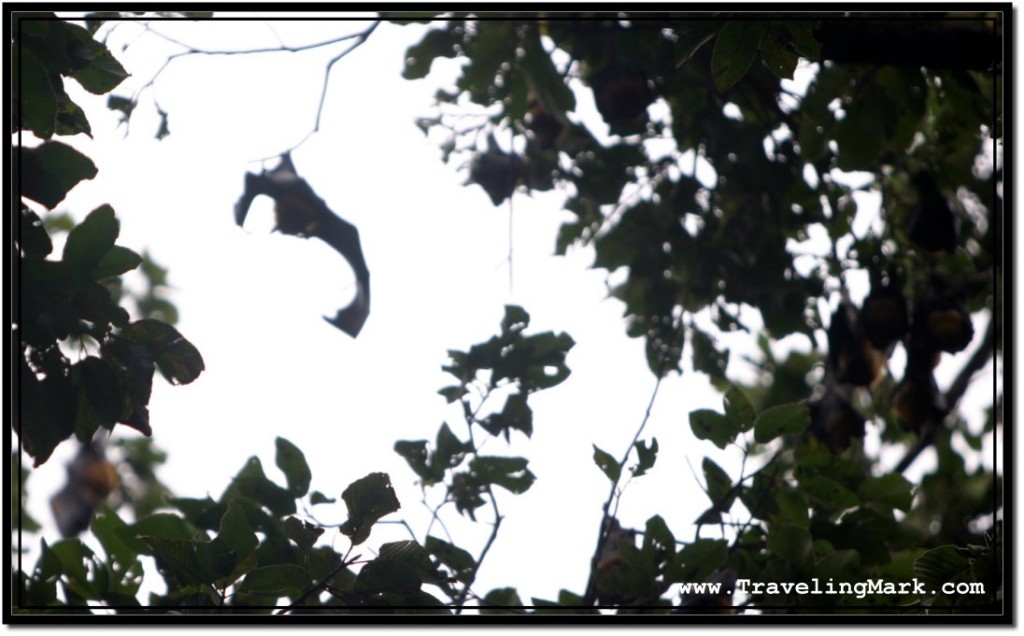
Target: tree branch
591 593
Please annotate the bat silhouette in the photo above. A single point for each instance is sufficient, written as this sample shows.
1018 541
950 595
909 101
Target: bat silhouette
300 212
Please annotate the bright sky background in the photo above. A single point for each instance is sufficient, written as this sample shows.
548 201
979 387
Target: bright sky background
252 301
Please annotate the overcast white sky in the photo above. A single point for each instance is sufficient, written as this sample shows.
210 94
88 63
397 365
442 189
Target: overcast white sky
252 301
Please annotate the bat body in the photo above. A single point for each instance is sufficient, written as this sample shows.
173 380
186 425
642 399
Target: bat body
300 212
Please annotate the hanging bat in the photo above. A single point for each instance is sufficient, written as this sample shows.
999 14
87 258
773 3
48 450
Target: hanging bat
300 212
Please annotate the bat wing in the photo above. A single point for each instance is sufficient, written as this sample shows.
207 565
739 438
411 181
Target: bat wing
344 238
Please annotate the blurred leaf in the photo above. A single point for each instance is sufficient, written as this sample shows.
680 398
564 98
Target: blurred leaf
828 492
713 426
419 57
303 533
279 580
735 50
37 100
791 543
292 463
508 472
608 465
783 419
235 531
317 497
33 239
941 565
385 575
719 484
697 560
115 262
646 456
892 489
792 508
252 482
89 241
738 409
777 57
178 359
503 600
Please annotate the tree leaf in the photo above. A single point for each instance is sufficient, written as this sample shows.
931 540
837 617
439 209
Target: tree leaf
293 464
713 426
386 575
735 50
608 465
646 456
891 489
781 61
280 580
49 171
367 499
115 262
89 241
941 565
504 600
36 103
459 561
178 359
102 73
783 419
508 472
236 532
718 483
791 543
738 410
696 561
303 533
252 482
829 493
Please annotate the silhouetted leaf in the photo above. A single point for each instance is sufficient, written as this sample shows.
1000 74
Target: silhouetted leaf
303 533
292 463
50 170
646 456
608 465
368 499
713 426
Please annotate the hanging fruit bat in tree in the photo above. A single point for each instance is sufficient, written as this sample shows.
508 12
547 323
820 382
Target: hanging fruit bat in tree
91 479
834 420
850 354
933 225
883 313
917 401
300 212
942 320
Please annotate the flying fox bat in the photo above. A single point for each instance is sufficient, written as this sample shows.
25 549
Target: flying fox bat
300 212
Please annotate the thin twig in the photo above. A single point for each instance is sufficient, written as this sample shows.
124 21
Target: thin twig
590 595
483 553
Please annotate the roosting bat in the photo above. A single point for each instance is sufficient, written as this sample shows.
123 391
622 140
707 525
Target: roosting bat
300 212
